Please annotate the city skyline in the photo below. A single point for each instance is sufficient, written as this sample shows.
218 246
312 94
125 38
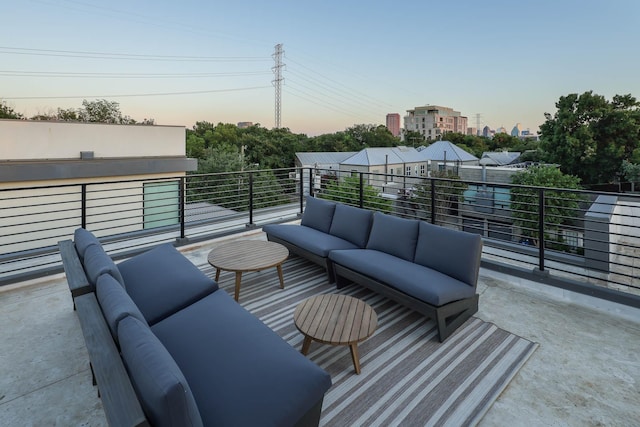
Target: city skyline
345 64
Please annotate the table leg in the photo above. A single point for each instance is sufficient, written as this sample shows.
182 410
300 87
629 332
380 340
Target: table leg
238 280
354 356
305 345
217 274
279 267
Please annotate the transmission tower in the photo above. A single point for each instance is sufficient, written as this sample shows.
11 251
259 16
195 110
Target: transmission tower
277 80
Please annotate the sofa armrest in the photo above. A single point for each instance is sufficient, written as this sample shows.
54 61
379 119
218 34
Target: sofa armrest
119 399
76 276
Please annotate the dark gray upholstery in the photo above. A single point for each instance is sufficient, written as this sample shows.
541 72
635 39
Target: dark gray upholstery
162 281
115 303
352 224
83 239
318 214
393 235
422 283
97 262
454 253
231 353
314 241
161 387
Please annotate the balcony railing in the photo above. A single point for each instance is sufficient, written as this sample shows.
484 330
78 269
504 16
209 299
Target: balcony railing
580 240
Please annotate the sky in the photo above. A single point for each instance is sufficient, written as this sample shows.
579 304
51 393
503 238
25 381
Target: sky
345 62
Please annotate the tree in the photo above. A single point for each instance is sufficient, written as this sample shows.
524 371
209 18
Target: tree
348 191
560 207
6 112
589 137
448 193
631 173
365 136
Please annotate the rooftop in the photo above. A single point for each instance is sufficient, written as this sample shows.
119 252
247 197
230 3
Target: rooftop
584 372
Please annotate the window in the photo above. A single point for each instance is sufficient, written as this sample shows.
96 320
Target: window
391 173
422 170
408 171
502 198
161 204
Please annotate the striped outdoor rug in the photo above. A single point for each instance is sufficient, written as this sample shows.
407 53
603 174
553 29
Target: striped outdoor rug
408 377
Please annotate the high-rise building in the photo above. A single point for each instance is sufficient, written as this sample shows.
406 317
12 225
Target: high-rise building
432 121
393 123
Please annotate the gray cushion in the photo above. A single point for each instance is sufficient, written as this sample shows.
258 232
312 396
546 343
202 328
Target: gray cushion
309 239
160 385
452 252
352 224
420 282
318 214
97 262
393 235
115 303
162 281
83 239
240 371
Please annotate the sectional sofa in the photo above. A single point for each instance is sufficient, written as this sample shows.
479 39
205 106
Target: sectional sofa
168 348
431 269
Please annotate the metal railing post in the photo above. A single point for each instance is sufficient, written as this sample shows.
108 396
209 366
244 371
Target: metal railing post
182 194
433 201
361 190
83 209
311 182
250 199
301 190
541 203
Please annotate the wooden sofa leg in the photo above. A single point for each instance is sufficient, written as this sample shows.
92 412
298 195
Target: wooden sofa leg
447 323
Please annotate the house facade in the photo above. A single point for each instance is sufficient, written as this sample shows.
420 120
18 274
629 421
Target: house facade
433 121
88 167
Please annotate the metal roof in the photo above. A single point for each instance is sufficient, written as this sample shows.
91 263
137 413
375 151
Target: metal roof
384 155
446 150
499 158
323 158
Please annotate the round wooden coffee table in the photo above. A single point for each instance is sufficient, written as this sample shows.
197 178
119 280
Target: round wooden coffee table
248 255
336 320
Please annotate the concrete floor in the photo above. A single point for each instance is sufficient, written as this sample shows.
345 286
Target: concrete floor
586 371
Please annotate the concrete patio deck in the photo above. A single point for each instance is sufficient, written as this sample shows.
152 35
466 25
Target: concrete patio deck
586 371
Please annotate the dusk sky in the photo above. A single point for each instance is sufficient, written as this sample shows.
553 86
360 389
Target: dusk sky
346 62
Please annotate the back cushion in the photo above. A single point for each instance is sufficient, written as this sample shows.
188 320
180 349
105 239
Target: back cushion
159 383
115 303
351 224
97 262
393 235
452 252
318 214
83 239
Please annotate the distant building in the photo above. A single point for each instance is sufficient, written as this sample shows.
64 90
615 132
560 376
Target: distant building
432 121
517 130
393 123
487 132
472 131
501 129
243 125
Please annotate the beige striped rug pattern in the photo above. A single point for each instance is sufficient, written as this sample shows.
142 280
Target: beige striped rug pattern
408 377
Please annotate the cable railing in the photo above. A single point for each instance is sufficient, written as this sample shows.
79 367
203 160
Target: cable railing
558 236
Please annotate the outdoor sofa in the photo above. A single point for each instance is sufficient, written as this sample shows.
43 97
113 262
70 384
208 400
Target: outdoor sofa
430 269
168 348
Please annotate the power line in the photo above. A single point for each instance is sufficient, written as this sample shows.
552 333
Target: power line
49 74
197 92
127 56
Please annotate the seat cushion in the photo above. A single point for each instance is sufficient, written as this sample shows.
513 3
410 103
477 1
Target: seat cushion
83 239
97 262
318 214
310 239
420 282
162 281
115 303
393 235
452 252
159 383
351 224
240 371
